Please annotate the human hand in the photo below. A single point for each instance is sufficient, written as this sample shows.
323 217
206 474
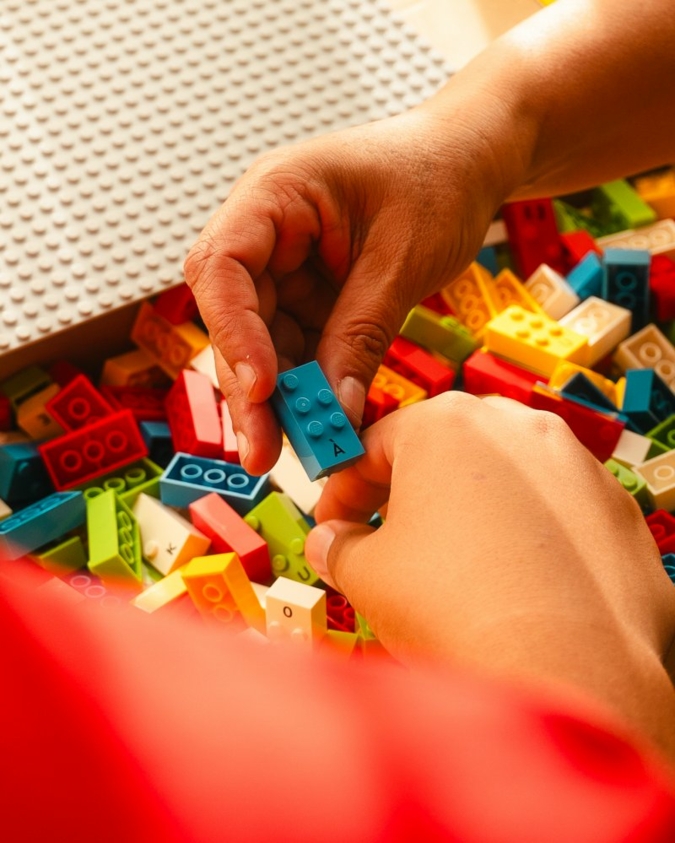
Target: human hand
322 249
506 546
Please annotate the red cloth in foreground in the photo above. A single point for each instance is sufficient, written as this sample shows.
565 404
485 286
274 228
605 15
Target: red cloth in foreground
118 726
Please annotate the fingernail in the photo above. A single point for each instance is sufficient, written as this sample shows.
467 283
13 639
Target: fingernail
318 544
352 396
242 446
246 376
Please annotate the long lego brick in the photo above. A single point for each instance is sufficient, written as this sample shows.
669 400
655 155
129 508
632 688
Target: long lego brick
40 523
192 413
485 374
99 448
420 367
146 403
78 404
533 235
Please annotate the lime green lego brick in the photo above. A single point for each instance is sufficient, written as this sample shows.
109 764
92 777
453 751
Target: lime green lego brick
664 434
128 482
570 219
114 538
631 482
281 524
25 383
64 558
364 629
656 449
443 334
618 204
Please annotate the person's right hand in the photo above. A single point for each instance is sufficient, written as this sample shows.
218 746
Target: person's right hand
322 249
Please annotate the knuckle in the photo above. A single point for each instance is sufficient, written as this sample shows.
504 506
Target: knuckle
198 264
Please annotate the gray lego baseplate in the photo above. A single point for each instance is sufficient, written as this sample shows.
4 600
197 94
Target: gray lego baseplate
123 124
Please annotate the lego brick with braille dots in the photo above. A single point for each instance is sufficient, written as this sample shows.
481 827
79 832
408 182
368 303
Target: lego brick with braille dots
113 540
99 448
23 476
552 292
229 533
133 369
658 238
281 524
167 539
419 366
631 482
187 478
33 417
658 191
618 204
486 374
648 349
115 180
40 523
626 282
587 276
533 235
170 346
295 612
605 325
192 413
444 335
225 573
647 400
78 404
534 340
659 472
312 418
146 403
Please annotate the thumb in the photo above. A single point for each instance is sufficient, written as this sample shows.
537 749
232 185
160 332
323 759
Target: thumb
342 554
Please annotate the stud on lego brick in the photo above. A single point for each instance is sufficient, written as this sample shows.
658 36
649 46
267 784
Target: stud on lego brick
78 404
296 613
40 523
314 421
187 478
114 541
551 291
167 539
193 417
229 533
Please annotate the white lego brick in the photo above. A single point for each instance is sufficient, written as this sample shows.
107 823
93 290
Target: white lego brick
205 363
550 290
605 324
648 349
125 124
290 477
295 612
631 449
659 473
167 539
657 237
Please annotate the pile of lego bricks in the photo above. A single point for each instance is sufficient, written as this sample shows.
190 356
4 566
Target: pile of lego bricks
128 489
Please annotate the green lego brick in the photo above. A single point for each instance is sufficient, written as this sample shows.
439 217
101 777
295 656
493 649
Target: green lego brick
114 539
570 219
631 482
128 482
443 334
23 384
656 449
364 629
281 524
618 204
64 558
664 433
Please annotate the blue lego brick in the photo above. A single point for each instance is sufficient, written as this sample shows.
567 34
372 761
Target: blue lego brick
579 386
188 478
626 282
157 437
487 257
586 277
647 400
23 476
669 564
312 418
41 523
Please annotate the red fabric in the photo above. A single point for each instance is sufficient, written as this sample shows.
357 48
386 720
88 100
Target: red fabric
117 726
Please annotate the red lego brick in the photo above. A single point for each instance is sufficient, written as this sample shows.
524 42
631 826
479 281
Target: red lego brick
485 374
438 304
576 245
192 414
177 305
378 404
230 450
597 432
662 527
419 366
340 615
99 448
662 287
63 372
229 533
146 404
533 235
78 404
5 413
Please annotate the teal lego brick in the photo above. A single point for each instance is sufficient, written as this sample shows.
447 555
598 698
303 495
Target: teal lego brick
40 523
314 422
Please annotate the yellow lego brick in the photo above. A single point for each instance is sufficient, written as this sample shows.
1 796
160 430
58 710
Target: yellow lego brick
161 593
534 341
401 388
221 590
172 347
32 417
133 369
466 296
658 191
565 370
648 349
506 289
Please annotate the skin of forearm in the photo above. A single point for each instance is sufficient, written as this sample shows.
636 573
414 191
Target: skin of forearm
578 94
